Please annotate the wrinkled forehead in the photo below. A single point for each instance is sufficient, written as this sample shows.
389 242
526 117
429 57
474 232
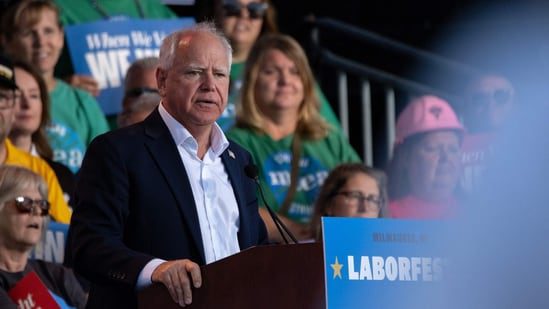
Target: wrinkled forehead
184 41
192 47
197 40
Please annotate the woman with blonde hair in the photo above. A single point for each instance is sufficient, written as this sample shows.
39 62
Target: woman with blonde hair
23 219
278 121
244 22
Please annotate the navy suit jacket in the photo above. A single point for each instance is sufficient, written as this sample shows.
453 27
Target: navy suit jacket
134 203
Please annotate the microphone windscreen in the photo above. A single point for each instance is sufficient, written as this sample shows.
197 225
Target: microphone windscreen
251 171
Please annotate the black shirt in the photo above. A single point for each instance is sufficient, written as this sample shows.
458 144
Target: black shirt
58 279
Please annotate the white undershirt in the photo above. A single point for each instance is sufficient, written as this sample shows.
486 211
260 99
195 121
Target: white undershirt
214 197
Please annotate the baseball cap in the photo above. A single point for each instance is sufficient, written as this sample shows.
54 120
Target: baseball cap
425 114
7 76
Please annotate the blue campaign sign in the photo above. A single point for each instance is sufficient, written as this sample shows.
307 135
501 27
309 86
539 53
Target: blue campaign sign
381 263
105 49
52 246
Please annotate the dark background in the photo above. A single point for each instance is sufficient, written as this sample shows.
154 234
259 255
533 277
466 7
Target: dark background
427 24
503 37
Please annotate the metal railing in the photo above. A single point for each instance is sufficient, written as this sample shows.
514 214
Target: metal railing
366 74
361 35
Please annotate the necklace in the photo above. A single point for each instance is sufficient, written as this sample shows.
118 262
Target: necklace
106 15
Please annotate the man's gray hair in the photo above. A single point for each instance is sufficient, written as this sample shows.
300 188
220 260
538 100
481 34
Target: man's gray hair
167 49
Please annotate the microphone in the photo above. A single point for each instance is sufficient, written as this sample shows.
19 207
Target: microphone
251 171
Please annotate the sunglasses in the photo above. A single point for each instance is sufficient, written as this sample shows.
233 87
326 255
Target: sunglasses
256 10
499 96
26 205
137 92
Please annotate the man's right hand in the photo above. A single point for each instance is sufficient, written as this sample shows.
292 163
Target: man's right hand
175 276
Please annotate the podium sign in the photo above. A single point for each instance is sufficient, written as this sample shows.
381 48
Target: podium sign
380 263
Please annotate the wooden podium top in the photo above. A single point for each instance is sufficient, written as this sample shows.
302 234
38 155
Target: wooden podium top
273 276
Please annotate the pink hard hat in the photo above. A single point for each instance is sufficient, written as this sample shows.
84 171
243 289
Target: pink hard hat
425 114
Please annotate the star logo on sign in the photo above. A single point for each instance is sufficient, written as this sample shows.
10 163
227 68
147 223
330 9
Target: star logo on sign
436 111
337 269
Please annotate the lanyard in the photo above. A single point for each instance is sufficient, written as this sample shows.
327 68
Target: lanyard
106 15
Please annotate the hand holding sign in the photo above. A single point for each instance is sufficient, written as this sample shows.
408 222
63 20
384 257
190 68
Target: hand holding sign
85 82
30 292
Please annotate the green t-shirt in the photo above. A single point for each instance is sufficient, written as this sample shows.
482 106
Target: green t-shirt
76 119
273 158
83 11
227 119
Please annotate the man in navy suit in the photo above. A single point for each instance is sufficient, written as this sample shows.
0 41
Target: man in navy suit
157 199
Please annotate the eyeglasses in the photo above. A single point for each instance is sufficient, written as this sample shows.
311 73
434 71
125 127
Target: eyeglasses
27 205
499 96
360 202
138 91
8 98
256 10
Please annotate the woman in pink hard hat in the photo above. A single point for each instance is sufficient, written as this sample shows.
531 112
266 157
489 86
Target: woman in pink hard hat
425 168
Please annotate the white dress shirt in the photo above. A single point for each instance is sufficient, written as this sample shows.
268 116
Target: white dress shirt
213 194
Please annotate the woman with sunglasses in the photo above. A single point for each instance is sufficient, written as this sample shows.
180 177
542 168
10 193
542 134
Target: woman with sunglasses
23 219
350 190
425 169
244 22
279 123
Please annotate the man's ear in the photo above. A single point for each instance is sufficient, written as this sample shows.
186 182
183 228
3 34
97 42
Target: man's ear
161 77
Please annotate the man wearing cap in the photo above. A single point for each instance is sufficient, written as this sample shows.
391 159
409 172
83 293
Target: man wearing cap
425 168
9 154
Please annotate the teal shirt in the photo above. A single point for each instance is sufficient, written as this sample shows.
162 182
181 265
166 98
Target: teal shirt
273 158
76 119
82 11
227 119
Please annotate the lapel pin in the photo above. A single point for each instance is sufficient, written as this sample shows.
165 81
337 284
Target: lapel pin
231 154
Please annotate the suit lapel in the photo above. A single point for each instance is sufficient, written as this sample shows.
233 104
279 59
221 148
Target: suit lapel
165 154
235 169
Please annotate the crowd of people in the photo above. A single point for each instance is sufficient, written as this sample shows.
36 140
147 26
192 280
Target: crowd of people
218 98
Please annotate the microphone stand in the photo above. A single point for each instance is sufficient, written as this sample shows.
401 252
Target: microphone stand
278 223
